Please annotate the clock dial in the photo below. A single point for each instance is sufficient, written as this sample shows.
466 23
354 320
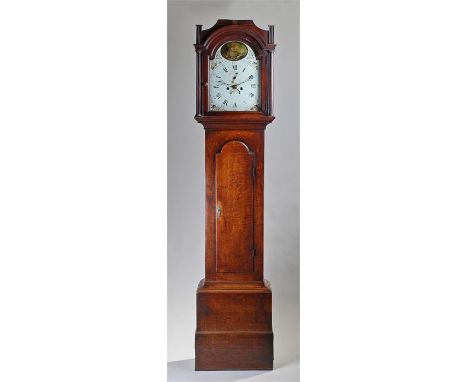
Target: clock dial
234 81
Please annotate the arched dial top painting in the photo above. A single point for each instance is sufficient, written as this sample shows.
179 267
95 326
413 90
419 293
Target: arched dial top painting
234 80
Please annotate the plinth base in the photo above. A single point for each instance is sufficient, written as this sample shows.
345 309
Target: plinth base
234 329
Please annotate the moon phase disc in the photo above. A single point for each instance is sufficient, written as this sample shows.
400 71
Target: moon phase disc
234 50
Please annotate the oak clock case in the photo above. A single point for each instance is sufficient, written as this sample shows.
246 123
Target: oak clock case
234 105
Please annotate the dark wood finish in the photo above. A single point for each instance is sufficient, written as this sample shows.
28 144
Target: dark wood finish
234 350
234 328
214 142
239 309
233 300
234 208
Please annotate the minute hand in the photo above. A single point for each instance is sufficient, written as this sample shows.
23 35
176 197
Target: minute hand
248 79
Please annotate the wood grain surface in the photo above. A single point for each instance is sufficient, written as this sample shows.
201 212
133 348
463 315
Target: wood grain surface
234 302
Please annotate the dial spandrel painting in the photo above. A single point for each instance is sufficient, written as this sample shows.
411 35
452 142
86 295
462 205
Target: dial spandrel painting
234 81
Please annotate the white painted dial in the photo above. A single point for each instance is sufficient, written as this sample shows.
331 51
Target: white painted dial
234 83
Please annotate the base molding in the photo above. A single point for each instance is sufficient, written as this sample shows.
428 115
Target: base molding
234 330
233 350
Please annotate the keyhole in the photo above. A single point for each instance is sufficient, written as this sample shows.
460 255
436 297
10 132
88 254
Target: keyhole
218 211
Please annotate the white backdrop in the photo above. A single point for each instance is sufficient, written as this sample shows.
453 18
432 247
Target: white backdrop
383 190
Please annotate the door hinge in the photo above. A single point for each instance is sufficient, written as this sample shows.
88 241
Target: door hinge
253 252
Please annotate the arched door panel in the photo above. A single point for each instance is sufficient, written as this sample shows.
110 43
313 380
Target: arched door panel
234 177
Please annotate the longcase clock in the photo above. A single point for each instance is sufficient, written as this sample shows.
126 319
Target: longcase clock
234 104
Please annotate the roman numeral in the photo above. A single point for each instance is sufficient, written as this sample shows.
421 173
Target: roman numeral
225 70
243 70
218 77
225 102
235 105
251 76
234 67
218 95
253 85
216 86
251 94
